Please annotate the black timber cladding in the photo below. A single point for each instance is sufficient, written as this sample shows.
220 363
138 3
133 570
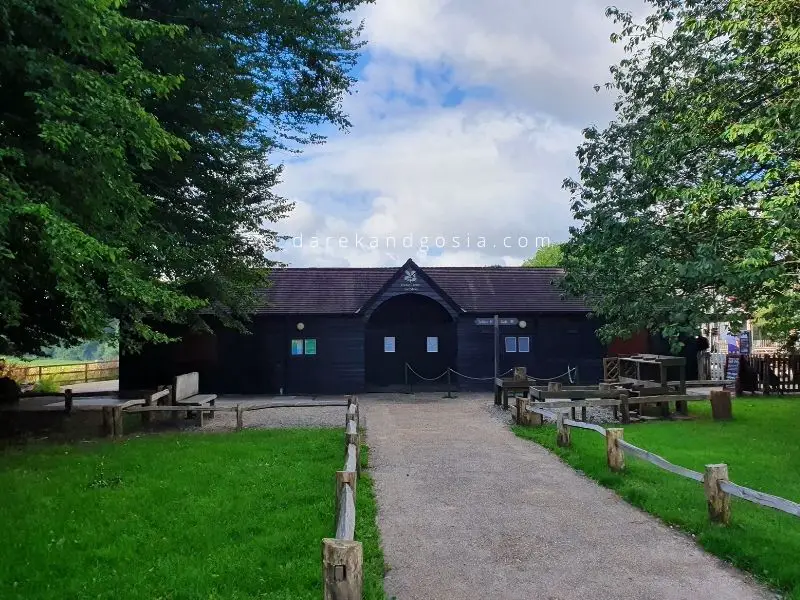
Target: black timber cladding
335 305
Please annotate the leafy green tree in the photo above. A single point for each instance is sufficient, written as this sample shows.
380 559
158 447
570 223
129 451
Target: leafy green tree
73 135
546 256
134 143
259 76
689 202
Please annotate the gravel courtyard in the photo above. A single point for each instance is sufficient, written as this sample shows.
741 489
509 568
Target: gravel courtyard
469 511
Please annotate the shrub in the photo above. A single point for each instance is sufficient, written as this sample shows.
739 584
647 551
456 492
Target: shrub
46 385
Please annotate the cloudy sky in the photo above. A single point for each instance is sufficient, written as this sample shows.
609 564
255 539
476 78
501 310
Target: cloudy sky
465 119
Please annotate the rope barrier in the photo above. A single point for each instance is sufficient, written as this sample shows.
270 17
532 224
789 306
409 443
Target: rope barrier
409 367
570 371
479 378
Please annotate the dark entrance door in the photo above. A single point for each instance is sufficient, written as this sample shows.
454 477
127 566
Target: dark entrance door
408 321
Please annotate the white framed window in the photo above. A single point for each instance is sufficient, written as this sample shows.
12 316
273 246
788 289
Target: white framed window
524 344
433 344
511 344
389 344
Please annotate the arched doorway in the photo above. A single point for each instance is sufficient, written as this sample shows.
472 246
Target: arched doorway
413 329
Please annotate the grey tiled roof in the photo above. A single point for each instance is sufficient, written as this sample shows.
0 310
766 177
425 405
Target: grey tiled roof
475 289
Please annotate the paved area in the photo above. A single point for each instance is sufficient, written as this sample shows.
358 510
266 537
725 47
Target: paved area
469 511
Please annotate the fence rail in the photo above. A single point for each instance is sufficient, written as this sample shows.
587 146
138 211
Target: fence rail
343 556
715 480
65 374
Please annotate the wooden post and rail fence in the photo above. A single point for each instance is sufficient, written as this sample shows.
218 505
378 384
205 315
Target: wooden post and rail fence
343 556
65 374
718 488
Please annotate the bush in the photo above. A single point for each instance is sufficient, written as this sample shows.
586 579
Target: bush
46 385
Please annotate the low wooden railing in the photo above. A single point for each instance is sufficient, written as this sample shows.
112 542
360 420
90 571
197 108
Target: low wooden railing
343 556
718 488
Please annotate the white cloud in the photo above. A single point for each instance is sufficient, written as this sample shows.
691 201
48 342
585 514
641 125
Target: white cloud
488 168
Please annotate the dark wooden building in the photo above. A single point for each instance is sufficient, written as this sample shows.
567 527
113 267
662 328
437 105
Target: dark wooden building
349 330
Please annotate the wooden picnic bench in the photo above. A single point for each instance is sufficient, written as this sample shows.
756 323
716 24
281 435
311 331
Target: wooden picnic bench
186 392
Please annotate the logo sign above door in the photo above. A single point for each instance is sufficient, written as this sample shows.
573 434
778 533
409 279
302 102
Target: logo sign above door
410 281
503 321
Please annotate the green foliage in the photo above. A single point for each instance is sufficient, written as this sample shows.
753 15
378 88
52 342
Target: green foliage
761 450
134 139
689 202
227 516
46 385
547 256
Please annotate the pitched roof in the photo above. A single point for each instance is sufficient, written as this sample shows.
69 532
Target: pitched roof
474 289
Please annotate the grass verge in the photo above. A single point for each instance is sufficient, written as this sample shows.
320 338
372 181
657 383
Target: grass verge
235 516
762 451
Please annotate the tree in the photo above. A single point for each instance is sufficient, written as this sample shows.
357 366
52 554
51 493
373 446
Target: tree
73 134
135 145
546 256
689 202
259 75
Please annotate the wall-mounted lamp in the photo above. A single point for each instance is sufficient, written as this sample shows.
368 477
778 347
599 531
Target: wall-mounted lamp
523 324
301 326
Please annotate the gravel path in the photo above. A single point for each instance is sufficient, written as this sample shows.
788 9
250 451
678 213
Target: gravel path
469 511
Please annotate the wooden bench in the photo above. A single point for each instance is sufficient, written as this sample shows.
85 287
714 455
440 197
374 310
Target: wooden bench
185 392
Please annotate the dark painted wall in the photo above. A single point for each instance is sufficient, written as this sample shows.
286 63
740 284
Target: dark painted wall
261 363
556 342
338 366
258 363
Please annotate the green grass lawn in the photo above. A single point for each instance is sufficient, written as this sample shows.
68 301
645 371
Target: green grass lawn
233 516
762 450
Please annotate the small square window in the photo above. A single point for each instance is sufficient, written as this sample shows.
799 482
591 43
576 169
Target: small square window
297 347
388 344
311 346
433 344
524 344
511 344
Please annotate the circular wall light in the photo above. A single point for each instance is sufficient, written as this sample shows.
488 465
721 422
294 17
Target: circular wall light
523 324
300 326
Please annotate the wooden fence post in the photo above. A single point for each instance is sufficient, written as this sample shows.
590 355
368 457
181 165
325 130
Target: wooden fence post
564 438
625 408
239 418
116 413
68 401
616 457
721 408
108 422
719 503
342 569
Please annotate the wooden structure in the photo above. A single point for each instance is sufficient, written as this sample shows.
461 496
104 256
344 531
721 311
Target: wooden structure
344 330
343 556
718 488
504 386
775 374
652 370
186 392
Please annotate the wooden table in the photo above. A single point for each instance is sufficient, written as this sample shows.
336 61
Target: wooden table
503 386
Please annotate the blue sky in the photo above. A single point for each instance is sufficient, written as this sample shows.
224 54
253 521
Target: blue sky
466 118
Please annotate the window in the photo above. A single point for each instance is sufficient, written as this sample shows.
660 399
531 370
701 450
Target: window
511 344
300 347
524 344
433 344
388 344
